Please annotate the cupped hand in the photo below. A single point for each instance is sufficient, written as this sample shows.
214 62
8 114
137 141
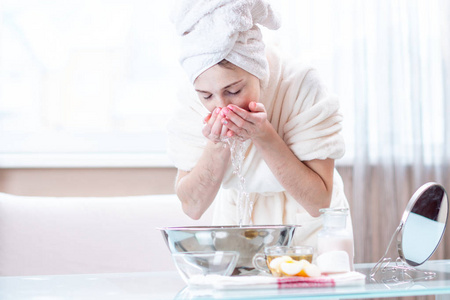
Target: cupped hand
243 123
214 130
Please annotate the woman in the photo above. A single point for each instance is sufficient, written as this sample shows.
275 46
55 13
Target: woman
281 111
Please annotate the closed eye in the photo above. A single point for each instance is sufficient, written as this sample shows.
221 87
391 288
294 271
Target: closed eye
234 93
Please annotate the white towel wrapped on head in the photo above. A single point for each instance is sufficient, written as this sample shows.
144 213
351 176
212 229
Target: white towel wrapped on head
213 30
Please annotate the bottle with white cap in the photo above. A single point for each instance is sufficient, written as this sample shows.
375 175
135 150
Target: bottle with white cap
335 246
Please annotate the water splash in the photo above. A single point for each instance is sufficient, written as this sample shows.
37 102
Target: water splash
244 205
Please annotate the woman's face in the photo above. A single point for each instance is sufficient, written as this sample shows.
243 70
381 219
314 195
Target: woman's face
222 85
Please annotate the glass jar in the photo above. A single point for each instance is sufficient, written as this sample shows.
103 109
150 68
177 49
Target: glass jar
334 235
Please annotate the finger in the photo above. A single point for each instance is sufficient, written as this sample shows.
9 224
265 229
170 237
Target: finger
228 123
256 107
211 119
216 128
208 124
237 130
213 116
235 120
206 119
234 113
223 133
212 129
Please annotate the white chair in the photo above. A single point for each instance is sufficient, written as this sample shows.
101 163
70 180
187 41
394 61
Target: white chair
70 235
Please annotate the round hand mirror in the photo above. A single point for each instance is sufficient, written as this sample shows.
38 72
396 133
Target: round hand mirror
421 228
423 224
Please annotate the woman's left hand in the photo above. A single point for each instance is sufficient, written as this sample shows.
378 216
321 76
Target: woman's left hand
243 123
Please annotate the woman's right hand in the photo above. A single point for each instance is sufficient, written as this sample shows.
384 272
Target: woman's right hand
198 187
214 130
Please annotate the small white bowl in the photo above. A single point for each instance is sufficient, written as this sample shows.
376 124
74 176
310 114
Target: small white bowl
205 263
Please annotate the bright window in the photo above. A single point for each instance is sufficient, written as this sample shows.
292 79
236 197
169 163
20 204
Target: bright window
86 77
98 78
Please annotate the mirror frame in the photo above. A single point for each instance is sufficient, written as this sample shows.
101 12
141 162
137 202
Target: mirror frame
415 197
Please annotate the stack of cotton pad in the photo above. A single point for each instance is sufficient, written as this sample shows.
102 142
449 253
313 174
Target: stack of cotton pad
333 262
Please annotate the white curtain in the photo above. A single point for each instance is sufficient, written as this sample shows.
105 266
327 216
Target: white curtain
401 99
389 62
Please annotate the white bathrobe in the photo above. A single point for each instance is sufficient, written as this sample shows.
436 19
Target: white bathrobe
305 116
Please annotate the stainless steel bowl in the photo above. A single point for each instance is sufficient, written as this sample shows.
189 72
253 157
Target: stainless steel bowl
247 240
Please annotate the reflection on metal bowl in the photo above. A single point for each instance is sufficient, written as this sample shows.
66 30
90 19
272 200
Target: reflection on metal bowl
247 240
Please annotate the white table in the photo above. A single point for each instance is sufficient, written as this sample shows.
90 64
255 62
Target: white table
168 285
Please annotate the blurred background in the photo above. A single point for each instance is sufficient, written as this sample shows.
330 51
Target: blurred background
86 87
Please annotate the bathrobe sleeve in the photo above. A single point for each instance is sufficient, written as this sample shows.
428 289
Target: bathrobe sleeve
307 117
185 139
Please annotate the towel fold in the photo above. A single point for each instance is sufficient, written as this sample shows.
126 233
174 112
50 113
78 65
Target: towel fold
269 282
213 30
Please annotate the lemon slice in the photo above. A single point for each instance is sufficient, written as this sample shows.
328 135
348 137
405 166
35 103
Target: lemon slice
301 268
305 265
310 270
275 263
291 268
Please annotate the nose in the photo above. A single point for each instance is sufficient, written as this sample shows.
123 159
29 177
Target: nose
222 101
